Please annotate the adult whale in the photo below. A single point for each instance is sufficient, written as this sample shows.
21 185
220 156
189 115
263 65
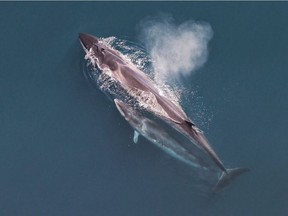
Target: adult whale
134 80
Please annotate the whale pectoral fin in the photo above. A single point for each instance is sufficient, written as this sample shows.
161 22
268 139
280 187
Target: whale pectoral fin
136 136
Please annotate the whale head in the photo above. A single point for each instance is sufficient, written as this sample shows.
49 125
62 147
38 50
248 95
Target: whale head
88 41
126 111
96 49
130 114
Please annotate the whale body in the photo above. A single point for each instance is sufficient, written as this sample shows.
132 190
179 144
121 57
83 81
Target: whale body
136 82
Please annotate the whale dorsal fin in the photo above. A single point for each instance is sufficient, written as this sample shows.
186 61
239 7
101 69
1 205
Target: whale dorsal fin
193 126
190 123
136 136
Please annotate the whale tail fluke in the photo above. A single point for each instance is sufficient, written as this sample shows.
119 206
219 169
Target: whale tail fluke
227 177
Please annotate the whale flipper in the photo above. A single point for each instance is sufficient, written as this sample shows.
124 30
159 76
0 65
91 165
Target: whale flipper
226 178
136 136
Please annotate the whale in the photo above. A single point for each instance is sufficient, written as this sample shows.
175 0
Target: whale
135 81
156 134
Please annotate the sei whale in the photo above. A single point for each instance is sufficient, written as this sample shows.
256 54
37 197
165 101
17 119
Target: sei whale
134 81
156 134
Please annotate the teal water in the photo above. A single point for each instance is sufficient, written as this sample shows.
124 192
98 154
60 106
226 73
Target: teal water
65 150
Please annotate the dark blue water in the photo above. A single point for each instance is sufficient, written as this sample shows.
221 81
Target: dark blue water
65 150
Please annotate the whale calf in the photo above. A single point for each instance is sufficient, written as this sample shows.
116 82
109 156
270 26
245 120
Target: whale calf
157 135
136 82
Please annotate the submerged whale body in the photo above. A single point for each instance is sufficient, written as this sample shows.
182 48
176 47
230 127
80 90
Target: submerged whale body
156 134
147 94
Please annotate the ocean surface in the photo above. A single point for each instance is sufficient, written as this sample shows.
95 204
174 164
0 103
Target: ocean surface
65 149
